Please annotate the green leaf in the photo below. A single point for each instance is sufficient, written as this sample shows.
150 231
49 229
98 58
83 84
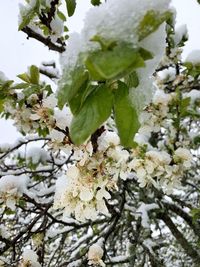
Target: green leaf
104 43
33 89
6 85
22 203
71 6
71 84
192 69
121 60
20 86
8 211
34 75
45 30
95 2
196 140
150 23
95 111
28 16
43 131
132 80
24 77
184 104
61 15
195 212
77 101
126 117
1 105
145 54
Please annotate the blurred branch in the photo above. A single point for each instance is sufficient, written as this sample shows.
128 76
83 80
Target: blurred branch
46 41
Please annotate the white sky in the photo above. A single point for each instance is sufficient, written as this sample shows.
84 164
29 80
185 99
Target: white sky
16 52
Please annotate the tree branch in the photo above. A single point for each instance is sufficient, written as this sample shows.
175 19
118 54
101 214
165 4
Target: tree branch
190 251
42 39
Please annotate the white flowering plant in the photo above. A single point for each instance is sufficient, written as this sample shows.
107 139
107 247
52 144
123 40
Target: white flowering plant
106 171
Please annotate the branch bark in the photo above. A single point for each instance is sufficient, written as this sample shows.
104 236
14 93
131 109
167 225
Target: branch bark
42 39
190 251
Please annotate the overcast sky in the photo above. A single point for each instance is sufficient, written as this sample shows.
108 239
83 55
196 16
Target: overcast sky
16 52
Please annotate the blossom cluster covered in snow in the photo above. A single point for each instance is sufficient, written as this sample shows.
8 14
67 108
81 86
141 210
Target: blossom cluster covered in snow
32 11
12 188
100 202
87 185
84 189
29 258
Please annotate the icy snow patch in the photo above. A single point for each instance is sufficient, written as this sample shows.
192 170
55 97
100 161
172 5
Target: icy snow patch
143 210
115 19
193 57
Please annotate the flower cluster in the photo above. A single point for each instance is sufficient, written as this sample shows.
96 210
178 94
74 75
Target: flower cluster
155 117
12 188
84 190
34 10
161 169
30 110
34 108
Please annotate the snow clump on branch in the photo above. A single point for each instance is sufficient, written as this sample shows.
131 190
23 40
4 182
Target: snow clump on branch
12 188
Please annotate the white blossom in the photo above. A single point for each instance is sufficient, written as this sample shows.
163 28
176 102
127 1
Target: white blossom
50 101
184 156
95 255
56 135
11 189
29 258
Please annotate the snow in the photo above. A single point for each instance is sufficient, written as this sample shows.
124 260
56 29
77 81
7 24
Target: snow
57 27
30 258
50 101
2 77
168 74
180 32
155 43
119 20
46 191
48 63
74 47
118 259
76 263
194 57
10 182
37 154
5 147
149 244
49 70
63 117
11 188
161 98
143 210
55 232
57 135
193 94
